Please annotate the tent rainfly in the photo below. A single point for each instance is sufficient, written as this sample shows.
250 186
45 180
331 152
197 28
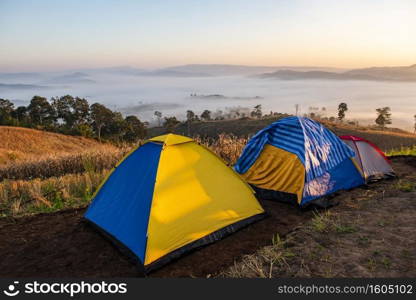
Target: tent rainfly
372 161
298 160
169 196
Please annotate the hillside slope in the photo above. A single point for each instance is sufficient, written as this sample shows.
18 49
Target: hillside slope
386 140
405 73
19 144
353 239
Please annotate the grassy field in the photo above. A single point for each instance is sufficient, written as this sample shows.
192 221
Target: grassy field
387 140
101 158
42 171
20 197
54 183
371 233
24 144
402 151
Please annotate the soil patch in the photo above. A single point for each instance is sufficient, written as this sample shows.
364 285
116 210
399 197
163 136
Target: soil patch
62 245
372 233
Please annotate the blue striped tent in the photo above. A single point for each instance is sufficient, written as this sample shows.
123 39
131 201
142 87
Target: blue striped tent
298 158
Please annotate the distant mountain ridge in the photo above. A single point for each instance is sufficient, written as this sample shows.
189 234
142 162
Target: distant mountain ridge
203 70
73 78
230 70
83 76
19 75
20 86
404 73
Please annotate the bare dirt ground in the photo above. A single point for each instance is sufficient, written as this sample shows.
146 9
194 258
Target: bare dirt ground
372 233
62 245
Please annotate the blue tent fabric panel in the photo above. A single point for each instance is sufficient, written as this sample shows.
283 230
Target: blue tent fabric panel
286 134
318 148
342 177
250 153
122 206
323 149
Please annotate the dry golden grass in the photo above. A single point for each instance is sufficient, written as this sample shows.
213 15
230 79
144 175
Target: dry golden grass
386 140
58 165
226 146
70 172
103 157
263 263
402 151
47 184
26 196
28 153
24 144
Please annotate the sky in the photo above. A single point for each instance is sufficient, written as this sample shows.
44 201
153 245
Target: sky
46 35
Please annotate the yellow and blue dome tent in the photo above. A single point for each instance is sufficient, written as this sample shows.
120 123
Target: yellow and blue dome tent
169 196
298 160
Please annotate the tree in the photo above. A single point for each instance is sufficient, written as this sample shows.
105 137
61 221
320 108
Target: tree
170 123
73 111
20 114
80 111
100 116
383 116
322 113
115 127
158 115
342 108
85 130
206 115
6 112
190 117
41 111
313 112
135 129
257 113
62 106
297 109
415 122
73 115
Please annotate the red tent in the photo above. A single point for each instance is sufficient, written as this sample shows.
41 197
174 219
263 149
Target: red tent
373 162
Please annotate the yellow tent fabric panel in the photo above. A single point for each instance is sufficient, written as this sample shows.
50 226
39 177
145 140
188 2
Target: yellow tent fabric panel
278 170
171 139
195 194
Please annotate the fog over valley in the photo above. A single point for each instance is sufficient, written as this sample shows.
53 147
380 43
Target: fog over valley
175 90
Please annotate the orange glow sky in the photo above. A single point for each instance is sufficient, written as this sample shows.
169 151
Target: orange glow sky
52 35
